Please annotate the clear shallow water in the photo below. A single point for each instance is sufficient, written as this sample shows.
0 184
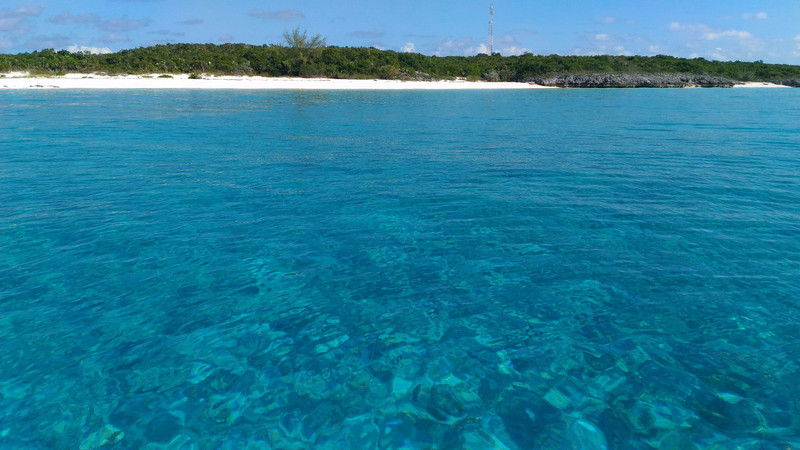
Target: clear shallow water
582 269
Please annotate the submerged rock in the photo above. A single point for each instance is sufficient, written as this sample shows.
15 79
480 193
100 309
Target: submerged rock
105 437
599 363
526 418
557 399
489 390
440 402
444 400
398 432
586 435
162 428
676 439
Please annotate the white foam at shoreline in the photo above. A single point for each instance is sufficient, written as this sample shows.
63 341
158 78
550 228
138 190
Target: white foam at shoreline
20 80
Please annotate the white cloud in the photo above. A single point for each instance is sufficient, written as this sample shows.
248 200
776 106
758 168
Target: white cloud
713 36
33 11
453 47
602 50
761 15
10 19
620 50
467 47
710 33
702 28
513 51
623 44
409 48
506 45
85 49
510 50
14 24
719 54
720 44
610 20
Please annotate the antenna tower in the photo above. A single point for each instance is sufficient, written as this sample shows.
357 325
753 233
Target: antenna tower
491 29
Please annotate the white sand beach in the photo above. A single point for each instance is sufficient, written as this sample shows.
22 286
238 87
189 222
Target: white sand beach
759 84
21 80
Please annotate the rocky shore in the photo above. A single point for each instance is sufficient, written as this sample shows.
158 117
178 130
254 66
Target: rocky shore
640 81
632 81
791 83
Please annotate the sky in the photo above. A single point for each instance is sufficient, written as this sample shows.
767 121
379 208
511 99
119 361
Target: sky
745 30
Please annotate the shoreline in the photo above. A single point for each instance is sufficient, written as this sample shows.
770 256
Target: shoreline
760 84
23 81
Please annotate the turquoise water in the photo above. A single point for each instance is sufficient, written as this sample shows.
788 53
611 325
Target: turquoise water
560 269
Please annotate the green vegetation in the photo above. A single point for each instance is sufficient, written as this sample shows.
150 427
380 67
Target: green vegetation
299 39
309 57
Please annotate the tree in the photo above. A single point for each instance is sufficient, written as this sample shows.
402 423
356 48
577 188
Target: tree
299 39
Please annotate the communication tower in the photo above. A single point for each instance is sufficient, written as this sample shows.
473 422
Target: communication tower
491 29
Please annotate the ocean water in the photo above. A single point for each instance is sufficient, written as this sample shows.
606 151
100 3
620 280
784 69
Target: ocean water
535 269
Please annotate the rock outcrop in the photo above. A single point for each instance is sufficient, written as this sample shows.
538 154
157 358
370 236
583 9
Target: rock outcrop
631 81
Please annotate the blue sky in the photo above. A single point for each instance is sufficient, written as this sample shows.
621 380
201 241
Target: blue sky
767 30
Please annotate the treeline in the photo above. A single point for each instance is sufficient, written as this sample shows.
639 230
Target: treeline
351 62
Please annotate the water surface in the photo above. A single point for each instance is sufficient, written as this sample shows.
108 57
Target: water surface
562 269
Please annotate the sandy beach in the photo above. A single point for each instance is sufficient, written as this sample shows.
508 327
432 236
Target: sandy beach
759 84
21 80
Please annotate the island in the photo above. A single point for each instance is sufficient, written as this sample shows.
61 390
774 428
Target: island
204 61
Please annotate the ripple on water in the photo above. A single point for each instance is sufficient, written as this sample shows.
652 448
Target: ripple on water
392 270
